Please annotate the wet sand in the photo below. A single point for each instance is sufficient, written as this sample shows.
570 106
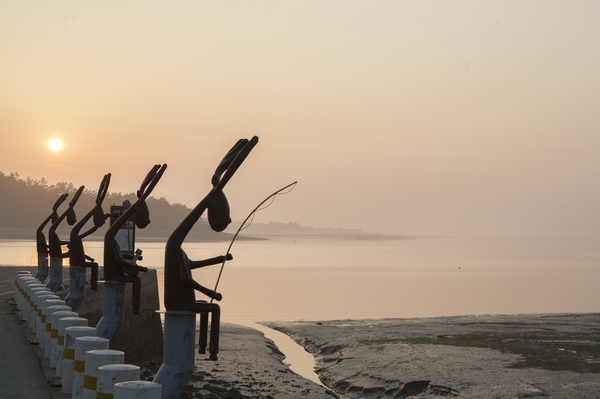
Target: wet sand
523 356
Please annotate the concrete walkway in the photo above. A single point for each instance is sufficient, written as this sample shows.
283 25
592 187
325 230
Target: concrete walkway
21 374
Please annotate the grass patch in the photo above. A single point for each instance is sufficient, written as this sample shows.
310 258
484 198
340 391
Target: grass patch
551 350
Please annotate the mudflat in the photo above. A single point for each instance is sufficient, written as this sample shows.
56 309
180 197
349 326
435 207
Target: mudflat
517 356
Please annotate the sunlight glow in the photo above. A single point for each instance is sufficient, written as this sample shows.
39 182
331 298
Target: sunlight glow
55 144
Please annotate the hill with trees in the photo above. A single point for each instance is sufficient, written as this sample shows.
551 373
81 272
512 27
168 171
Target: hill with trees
26 203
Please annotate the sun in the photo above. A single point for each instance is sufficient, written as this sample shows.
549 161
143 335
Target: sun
55 145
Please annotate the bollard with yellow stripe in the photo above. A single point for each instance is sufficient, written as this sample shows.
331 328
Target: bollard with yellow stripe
82 346
50 310
39 301
111 374
71 336
56 317
35 310
63 324
93 360
41 328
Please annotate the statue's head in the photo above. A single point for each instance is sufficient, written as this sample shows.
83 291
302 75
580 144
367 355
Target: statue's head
218 211
142 214
98 215
97 212
218 207
60 200
71 218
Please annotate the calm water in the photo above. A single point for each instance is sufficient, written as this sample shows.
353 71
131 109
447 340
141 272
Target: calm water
323 280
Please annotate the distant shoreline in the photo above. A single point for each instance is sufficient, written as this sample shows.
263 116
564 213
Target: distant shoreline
18 234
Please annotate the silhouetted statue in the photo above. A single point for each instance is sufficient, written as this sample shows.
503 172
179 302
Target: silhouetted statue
42 244
77 256
180 286
116 267
55 243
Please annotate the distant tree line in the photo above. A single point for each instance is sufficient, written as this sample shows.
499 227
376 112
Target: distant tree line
26 203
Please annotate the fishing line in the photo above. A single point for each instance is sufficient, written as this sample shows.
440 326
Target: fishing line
249 219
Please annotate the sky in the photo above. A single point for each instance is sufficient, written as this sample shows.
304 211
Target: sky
451 118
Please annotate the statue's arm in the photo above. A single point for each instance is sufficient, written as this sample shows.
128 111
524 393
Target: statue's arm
189 281
194 264
95 227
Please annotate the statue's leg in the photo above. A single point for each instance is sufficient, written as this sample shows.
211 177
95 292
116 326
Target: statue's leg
94 279
136 293
203 333
215 323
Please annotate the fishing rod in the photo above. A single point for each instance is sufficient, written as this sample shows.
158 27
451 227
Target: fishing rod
251 215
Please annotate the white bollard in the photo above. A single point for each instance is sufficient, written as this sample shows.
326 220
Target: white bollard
71 335
137 390
111 374
20 277
39 300
26 309
21 285
56 316
50 310
63 324
34 311
82 346
93 360
41 328
31 305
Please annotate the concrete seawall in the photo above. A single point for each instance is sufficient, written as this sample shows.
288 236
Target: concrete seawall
140 336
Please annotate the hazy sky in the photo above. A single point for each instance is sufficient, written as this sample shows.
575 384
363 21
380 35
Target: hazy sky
466 118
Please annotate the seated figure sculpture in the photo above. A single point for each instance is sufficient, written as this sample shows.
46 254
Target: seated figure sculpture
117 267
179 285
56 244
42 244
77 256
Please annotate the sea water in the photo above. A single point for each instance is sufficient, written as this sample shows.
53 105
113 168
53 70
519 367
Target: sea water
288 279
309 279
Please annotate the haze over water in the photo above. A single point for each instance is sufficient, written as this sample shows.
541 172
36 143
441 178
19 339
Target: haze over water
455 119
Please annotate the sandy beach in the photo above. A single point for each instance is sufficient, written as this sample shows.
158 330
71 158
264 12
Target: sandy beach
523 356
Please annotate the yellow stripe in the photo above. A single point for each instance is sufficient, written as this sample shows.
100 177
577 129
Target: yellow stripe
100 395
79 366
69 354
43 318
53 333
48 327
61 340
89 382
